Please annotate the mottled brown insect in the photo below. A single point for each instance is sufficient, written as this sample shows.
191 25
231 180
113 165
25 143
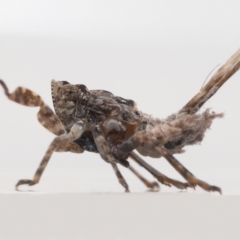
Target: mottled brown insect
100 122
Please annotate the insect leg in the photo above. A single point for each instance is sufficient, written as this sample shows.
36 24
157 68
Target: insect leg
106 154
132 143
59 144
160 177
29 98
192 180
152 185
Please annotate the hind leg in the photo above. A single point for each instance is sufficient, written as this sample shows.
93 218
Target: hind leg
132 143
160 177
192 180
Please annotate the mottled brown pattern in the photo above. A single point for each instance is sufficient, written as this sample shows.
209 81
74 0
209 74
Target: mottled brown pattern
45 115
77 139
164 137
98 121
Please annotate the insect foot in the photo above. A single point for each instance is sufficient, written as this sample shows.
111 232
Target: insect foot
204 185
24 182
192 180
153 186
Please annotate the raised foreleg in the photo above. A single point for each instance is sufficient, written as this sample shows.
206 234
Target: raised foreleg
45 116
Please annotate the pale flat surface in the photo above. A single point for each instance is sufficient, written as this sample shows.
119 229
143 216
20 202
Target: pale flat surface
151 216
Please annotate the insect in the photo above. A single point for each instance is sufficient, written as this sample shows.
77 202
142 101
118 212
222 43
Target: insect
91 121
100 122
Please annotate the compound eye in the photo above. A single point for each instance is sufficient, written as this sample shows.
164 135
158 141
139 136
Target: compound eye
82 87
65 82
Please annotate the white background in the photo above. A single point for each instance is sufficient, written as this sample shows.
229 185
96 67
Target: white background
157 53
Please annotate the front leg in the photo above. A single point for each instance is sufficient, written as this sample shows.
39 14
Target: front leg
107 155
62 143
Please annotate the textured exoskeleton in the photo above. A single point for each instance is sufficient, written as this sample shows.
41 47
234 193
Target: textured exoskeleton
164 137
100 122
94 121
